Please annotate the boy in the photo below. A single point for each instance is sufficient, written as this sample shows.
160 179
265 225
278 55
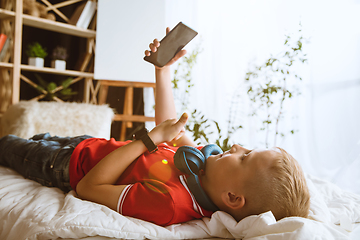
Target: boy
138 178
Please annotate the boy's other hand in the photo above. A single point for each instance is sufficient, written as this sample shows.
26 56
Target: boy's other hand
154 46
169 130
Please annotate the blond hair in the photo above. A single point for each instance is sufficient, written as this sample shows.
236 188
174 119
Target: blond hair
281 189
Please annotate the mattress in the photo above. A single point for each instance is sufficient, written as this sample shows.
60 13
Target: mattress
29 210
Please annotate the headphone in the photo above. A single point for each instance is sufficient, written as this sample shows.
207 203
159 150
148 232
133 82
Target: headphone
190 160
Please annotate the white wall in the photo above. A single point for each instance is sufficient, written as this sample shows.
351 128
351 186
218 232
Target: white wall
235 33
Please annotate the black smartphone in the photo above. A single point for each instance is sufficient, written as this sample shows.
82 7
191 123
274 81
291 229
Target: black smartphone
171 44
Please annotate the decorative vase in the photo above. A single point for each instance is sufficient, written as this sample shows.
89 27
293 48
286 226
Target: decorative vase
36 61
58 64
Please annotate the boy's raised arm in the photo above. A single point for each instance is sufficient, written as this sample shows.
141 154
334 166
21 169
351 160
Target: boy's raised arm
164 99
99 184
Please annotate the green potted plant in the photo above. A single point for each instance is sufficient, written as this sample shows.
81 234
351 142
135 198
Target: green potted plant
36 54
59 56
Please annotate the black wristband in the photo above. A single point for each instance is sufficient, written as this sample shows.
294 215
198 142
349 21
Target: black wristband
144 137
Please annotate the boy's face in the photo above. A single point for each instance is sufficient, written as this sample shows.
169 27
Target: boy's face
233 168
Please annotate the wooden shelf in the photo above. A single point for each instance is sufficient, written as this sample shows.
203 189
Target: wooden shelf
54 71
6 65
57 27
12 22
49 25
6 14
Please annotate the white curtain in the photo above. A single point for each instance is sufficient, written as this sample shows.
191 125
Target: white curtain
235 34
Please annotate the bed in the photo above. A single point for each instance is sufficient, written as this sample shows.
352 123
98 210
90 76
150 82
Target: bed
29 210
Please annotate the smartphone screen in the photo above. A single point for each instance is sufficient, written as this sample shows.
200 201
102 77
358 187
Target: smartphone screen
171 44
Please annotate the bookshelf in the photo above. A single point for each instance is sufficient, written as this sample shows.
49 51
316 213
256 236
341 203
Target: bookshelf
12 21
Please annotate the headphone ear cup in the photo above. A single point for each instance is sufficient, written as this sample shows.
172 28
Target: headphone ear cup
189 160
211 149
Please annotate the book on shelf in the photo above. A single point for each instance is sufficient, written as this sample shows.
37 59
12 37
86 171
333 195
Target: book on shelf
83 14
3 39
75 17
87 14
4 49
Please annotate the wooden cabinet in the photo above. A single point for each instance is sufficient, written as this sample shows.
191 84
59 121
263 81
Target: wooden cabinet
12 21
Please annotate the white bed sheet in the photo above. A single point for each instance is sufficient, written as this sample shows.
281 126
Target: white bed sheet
31 211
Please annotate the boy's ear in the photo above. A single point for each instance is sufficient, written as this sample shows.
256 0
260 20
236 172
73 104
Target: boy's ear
233 200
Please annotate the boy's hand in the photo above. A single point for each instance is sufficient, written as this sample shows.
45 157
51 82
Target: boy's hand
169 130
153 48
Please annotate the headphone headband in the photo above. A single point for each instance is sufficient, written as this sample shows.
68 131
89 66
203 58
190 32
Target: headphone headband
190 161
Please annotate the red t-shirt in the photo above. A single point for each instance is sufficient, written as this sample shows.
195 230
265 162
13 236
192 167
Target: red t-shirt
156 190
